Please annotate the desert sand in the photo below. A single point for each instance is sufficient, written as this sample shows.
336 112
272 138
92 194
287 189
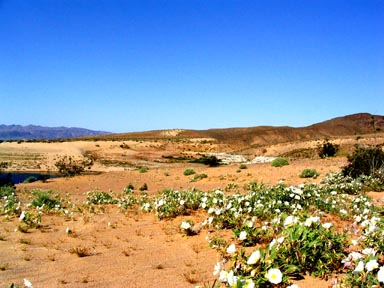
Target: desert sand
127 248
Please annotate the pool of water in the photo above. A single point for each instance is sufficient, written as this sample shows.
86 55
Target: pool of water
19 177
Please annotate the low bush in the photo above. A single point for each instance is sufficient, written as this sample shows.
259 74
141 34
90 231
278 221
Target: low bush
68 166
211 161
309 173
45 200
279 162
189 171
327 149
198 177
143 169
368 161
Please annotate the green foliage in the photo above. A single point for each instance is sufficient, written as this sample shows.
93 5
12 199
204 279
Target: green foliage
68 166
318 250
309 173
198 177
279 162
100 197
9 202
129 189
29 220
243 166
189 171
327 149
45 200
367 161
172 203
143 169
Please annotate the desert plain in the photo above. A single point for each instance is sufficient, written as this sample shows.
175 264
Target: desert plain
133 248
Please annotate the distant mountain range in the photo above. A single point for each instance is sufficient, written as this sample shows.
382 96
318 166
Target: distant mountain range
32 132
355 124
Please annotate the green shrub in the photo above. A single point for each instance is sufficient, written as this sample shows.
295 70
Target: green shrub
309 173
100 197
44 199
279 162
189 171
243 166
327 149
143 169
198 177
367 161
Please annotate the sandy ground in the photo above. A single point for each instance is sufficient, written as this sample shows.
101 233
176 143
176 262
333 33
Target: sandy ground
127 249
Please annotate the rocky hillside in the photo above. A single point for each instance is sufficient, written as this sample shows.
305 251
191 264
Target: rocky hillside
32 132
350 125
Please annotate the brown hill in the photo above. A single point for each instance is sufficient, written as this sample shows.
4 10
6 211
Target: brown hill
350 125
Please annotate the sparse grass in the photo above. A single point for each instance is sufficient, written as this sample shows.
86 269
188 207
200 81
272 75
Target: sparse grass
4 266
160 266
81 251
25 241
192 276
52 257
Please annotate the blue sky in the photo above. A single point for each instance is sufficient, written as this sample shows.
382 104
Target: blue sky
138 65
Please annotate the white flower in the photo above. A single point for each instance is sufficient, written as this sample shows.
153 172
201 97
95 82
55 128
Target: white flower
371 265
182 202
216 270
274 276
223 276
231 279
185 225
380 274
254 258
369 251
359 268
290 220
22 216
312 220
356 255
243 235
248 284
249 224
273 242
27 283
343 211
231 249
327 225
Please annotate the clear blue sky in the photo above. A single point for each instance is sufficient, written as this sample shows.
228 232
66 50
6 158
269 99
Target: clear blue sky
140 65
